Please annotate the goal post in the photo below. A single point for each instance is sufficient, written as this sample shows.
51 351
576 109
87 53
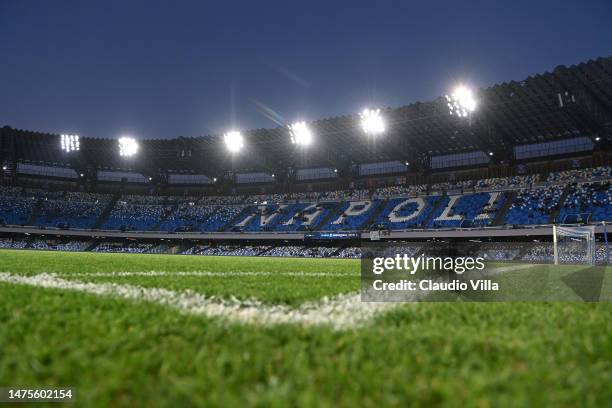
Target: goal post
574 245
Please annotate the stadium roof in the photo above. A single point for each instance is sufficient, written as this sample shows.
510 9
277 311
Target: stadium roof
567 102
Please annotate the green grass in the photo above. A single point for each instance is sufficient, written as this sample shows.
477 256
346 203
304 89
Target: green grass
33 262
283 289
122 353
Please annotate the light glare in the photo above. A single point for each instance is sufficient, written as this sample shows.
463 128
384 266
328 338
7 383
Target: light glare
461 102
127 146
70 143
372 122
300 134
234 141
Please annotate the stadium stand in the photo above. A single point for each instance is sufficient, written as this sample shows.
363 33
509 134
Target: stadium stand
72 210
345 195
296 251
348 252
401 213
559 199
139 213
587 202
500 183
12 243
230 250
569 176
188 216
499 252
301 251
15 206
305 216
126 247
457 185
222 200
435 180
221 218
59 245
533 206
352 215
467 210
391 191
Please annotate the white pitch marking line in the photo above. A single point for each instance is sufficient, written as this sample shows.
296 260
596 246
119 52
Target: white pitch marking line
490 272
340 312
207 274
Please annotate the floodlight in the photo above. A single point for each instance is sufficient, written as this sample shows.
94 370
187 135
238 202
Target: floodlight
461 102
597 139
128 146
233 141
372 122
70 143
300 134
4 167
214 179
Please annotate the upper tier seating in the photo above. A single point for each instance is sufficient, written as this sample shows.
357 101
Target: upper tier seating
267 198
588 201
456 185
267 217
402 213
15 206
580 174
139 213
533 206
352 215
344 195
468 210
220 219
534 203
222 200
507 182
73 210
391 191
304 216
188 216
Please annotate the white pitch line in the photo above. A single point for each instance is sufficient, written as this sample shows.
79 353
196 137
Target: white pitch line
490 272
340 312
207 274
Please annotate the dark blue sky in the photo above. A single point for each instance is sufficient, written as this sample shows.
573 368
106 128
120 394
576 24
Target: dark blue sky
164 69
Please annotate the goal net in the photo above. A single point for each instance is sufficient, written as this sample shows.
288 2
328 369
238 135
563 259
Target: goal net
574 245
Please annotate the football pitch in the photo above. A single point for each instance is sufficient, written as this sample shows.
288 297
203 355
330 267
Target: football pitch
163 330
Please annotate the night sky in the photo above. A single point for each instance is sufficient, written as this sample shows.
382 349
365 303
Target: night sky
157 69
